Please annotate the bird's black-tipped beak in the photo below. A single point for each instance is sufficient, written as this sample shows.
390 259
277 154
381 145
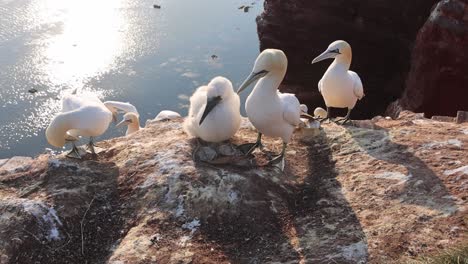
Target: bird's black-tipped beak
252 78
328 54
210 104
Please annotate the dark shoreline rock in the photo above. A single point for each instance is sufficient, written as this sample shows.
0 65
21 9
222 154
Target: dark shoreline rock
438 80
381 34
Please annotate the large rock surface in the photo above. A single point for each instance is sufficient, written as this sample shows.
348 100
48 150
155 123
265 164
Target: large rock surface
381 34
438 80
379 191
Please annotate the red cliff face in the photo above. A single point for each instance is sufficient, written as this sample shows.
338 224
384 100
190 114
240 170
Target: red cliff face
437 83
380 32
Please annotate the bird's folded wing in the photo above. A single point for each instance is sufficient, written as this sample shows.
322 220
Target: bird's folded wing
291 109
198 101
320 86
357 88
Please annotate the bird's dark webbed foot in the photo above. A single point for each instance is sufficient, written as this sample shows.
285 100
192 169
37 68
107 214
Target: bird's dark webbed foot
248 148
345 119
90 146
279 160
74 153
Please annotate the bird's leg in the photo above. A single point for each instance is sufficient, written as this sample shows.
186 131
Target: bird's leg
74 152
248 148
327 117
346 118
280 158
90 146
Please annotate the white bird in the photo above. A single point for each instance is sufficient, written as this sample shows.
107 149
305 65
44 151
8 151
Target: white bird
272 113
214 113
115 107
131 120
304 109
80 116
131 116
165 115
340 87
319 112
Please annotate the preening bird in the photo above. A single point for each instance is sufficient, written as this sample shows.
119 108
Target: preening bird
340 87
120 107
131 116
214 113
131 120
272 113
80 116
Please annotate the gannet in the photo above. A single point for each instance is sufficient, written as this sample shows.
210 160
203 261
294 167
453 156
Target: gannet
115 107
304 109
165 115
80 116
340 87
131 120
214 113
319 112
272 113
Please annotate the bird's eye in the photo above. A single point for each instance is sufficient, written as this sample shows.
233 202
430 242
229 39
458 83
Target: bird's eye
337 51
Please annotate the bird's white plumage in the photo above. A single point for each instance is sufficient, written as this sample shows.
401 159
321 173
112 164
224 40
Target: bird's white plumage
272 113
125 107
340 87
319 112
80 116
166 115
131 114
132 121
358 88
223 121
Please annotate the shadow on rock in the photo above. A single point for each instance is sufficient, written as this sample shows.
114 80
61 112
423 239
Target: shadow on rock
259 214
70 215
420 185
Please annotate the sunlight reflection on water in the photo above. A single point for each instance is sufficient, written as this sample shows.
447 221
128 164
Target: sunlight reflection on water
116 49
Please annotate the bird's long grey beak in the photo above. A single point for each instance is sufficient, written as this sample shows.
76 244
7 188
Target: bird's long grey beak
252 78
124 123
210 104
325 55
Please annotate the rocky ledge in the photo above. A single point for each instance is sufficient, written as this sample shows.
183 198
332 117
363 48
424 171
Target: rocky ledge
377 191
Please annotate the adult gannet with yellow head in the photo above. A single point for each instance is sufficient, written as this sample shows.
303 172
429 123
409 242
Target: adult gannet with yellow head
131 117
340 87
80 116
132 121
272 113
214 113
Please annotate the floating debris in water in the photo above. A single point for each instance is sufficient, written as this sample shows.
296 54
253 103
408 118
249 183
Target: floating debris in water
157 6
214 57
32 90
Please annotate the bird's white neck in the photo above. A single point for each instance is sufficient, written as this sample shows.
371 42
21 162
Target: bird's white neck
133 127
58 128
268 85
342 61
